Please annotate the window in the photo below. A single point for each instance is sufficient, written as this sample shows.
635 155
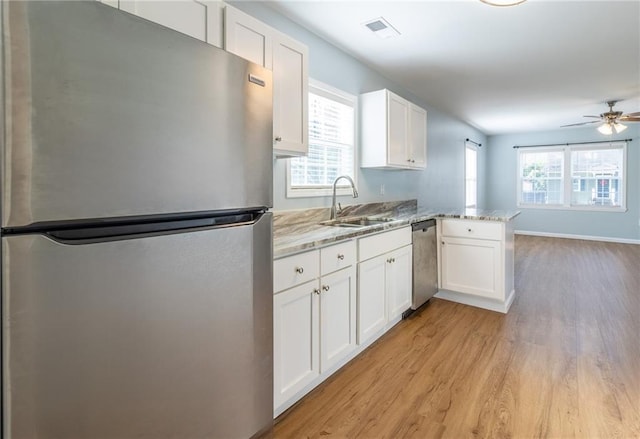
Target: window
471 175
585 176
331 144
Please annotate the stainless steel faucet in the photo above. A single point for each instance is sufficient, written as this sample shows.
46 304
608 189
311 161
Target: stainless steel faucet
333 200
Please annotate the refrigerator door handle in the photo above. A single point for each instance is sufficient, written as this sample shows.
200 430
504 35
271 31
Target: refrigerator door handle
102 233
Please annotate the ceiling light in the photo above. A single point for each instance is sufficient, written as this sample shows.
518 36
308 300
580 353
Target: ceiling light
382 28
618 127
605 129
503 2
609 128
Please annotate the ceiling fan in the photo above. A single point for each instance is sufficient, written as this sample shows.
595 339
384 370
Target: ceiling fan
611 120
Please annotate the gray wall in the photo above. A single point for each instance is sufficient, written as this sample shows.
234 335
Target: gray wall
501 186
441 185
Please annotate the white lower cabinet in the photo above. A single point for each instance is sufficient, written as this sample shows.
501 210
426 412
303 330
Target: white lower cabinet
384 281
337 317
398 282
471 266
476 260
296 316
321 320
372 315
314 323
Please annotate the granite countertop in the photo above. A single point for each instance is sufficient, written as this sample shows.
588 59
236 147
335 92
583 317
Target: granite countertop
301 230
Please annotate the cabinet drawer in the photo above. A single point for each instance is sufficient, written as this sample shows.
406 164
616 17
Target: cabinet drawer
380 243
337 257
296 269
472 229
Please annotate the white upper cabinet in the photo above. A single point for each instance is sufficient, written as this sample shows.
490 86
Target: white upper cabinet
397 130
418 136
394 132
247 37
290 97
251 39
201 19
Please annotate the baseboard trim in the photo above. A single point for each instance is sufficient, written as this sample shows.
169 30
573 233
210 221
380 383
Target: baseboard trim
477 301
583 237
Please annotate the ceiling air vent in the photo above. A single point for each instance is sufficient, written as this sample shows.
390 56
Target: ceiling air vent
382 28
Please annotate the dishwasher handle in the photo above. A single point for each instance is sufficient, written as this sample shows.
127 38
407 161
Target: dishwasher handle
423 225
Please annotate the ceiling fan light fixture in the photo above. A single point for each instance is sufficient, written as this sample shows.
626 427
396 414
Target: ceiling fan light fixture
606 129
502 3
618 127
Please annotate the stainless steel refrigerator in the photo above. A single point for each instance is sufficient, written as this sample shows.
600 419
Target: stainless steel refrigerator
136 236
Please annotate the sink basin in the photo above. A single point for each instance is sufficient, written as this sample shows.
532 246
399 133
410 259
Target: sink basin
361 221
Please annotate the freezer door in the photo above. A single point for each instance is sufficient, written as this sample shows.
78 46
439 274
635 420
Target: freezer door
160 337
109 115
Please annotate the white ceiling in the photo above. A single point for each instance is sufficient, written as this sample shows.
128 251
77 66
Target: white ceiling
530 67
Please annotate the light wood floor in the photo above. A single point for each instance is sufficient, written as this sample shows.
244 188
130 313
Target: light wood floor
564 363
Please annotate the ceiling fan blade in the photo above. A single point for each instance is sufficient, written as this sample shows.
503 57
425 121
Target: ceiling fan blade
598 117
581 123
632 114
629 119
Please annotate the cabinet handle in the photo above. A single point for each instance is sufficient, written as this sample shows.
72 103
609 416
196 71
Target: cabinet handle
299 270
316 291
278 139
325 287
341 257
442 242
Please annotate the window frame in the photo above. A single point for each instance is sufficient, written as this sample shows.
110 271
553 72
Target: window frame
343 188
567 178
474 148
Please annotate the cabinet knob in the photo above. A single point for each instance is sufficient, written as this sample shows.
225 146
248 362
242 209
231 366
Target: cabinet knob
413 161
468 230
341 257
325 287
393 259
316 291
278 139
299 270
409 160
388 260
442 242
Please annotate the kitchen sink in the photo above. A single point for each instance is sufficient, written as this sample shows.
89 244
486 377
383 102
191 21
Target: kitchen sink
361 221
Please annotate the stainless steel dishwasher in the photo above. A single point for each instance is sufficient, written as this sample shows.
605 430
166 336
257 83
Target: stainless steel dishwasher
425 266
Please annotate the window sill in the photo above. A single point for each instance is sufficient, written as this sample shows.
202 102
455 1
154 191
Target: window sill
573 208
317 192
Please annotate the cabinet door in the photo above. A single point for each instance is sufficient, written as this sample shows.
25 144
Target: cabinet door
337 317
290 90
398 282
417 136
295 340
247 37
471 266
397 123
372 315
201 19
